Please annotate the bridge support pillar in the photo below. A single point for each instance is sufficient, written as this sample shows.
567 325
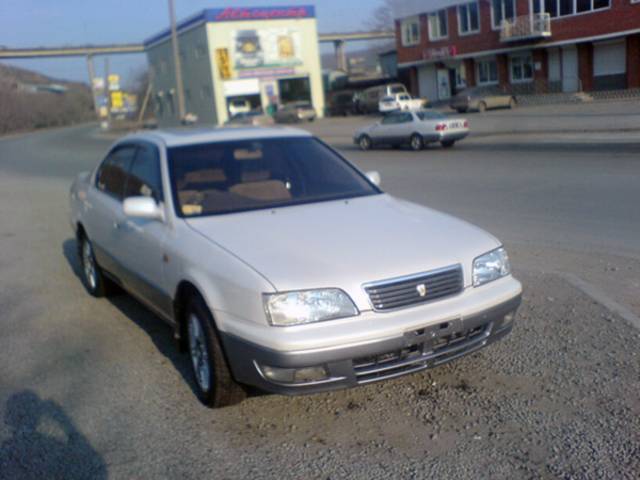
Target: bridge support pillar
341 55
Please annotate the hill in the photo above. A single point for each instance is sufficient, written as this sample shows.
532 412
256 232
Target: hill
30 100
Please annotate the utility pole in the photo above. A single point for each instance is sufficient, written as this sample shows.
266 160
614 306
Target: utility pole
107 92
176 61
92 76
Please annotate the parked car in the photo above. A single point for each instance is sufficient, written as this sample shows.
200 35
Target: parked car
262 250
239 106
369 100
295 112
480 100
415 129
342 104
401 101
254 117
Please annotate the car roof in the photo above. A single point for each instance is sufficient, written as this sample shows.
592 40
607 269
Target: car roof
190 136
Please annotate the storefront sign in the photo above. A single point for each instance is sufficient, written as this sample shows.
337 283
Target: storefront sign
268 13
222 61
266 73
440 52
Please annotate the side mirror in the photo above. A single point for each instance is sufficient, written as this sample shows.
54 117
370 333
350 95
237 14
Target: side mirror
374 177
143 207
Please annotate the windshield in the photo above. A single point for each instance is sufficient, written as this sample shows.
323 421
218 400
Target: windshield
227 177
430 116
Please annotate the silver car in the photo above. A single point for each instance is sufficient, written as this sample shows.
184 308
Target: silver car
415 129
278 264
480 99
295 112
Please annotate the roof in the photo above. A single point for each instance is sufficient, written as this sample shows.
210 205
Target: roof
409 8
235 14
176 137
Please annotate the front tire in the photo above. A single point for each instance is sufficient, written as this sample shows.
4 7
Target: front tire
365 143
215 385
92 277
416 142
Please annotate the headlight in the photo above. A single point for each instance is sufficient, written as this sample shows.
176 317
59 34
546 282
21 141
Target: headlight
490 267
307 306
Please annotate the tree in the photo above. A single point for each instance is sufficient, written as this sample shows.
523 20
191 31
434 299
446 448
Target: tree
383 17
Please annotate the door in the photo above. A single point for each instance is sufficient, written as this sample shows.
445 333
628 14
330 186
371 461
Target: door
142 241
444 85
610 65
104 204
387 130
570 81
555 70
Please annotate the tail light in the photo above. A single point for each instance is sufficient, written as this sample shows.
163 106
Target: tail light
466 124
441 127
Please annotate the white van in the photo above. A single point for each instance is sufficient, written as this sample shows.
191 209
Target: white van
370 99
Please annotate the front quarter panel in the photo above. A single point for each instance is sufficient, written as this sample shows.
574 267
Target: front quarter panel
231 288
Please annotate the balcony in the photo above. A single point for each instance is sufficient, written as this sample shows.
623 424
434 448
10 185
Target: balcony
526 27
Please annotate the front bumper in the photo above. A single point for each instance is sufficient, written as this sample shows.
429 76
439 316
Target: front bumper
359 364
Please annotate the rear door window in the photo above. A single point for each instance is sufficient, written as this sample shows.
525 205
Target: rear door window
112 174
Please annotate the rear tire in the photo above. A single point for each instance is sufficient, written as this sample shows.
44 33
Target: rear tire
482 107
416 142
447 143
364 142
92 276
214 383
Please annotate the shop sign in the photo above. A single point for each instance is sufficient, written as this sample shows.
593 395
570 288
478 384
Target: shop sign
440 52
222 61
266 72
247 86
268 13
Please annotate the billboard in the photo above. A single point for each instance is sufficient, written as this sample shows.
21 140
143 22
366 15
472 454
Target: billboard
266 48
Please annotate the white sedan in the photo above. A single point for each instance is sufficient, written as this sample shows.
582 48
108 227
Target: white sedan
415 129
278 264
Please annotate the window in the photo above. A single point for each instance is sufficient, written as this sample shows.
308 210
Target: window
487 72
521 68
426 116
502 10
468 18
561 8
144 176
438 25
410 29
112 174
225 177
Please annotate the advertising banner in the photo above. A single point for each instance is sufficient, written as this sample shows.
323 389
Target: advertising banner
266 48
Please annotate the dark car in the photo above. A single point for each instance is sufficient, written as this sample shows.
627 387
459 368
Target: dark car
295 112
342 104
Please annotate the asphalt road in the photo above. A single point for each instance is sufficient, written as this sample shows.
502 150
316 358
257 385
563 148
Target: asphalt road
95 389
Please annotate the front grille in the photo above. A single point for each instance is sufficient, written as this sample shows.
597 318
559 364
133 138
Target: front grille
416 289
422 355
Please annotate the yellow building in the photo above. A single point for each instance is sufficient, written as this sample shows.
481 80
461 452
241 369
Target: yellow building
266 56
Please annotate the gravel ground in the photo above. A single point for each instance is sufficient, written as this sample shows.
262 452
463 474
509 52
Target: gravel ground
95 388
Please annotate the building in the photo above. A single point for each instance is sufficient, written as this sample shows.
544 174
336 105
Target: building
266 56
520 46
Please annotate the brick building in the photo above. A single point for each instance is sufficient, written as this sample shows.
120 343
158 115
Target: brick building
521 46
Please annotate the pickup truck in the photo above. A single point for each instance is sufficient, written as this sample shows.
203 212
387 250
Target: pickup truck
401 101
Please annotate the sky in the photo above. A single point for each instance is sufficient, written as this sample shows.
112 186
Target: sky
33 23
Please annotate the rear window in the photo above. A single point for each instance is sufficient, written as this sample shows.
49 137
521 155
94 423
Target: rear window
398 89
425 116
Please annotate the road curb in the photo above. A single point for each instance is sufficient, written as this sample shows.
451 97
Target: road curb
603 299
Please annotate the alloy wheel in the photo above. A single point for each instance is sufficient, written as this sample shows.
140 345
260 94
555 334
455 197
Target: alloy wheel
199 353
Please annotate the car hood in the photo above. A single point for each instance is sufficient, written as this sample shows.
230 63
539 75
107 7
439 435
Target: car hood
346 243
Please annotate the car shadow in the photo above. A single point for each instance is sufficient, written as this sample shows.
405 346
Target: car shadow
44 442
159 332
